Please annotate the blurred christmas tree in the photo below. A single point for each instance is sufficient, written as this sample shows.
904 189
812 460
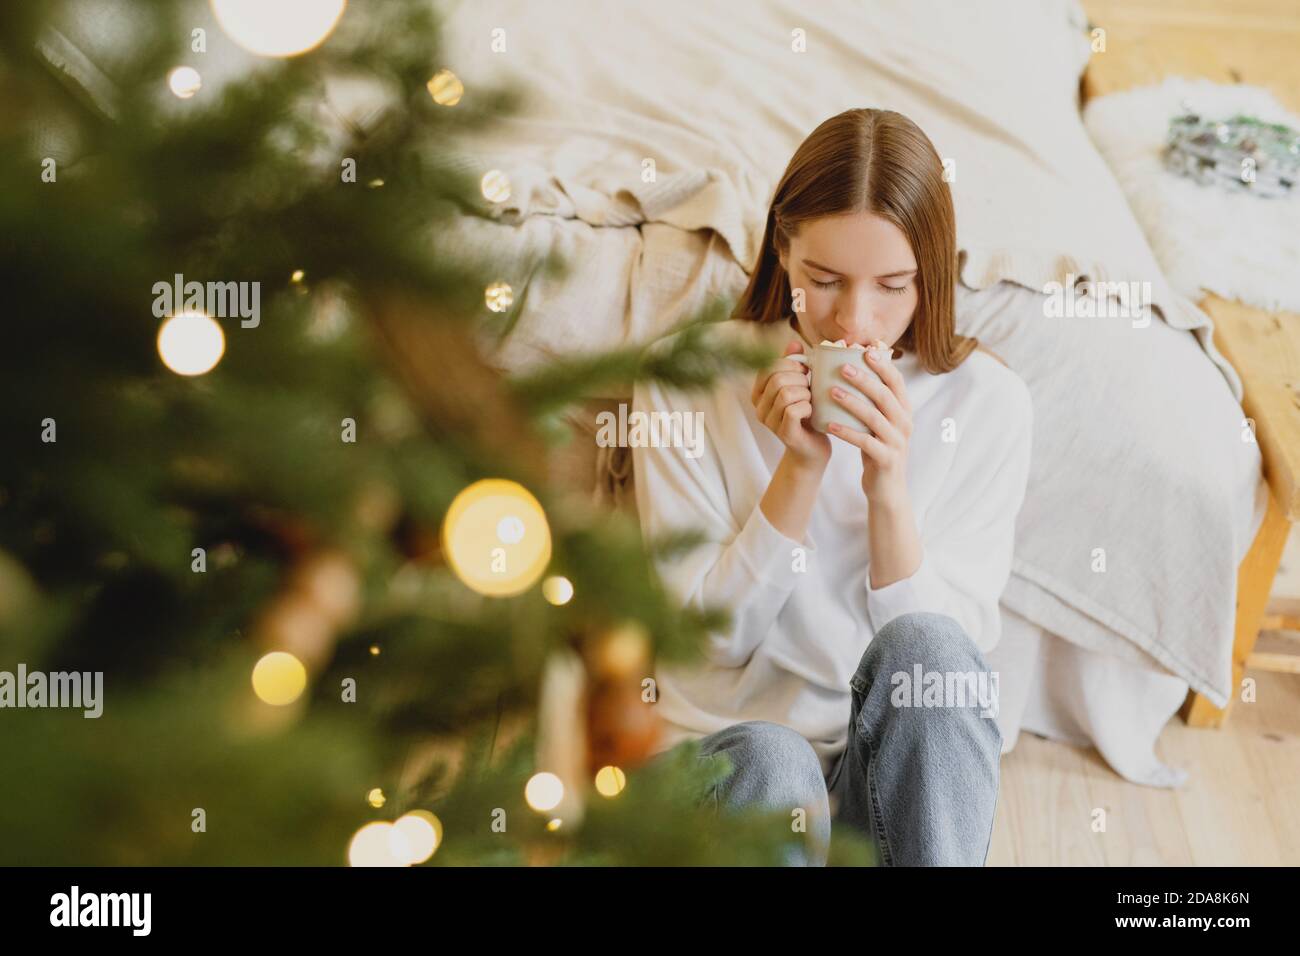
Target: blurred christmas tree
269 528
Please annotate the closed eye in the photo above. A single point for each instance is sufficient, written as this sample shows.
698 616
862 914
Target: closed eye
890 289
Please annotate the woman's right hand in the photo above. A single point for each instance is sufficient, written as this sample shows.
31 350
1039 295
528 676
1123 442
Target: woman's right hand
783 402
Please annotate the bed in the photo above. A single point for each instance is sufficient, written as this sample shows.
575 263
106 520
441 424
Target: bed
1137 448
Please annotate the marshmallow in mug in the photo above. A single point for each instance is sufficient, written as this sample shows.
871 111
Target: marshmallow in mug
876 348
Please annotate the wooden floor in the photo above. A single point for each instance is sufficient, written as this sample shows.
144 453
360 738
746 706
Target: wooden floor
1240 806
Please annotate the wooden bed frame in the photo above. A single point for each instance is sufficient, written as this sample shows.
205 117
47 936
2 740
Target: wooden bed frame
1230 41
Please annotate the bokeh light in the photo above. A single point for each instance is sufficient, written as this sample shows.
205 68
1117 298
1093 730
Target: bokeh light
610 781
191 343
496 537
557 589
279 678
544 791
278 27
184 81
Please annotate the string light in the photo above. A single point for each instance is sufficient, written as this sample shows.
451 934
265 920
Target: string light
279 28
499 296
420 833
610 781
446 88
373 845
184 81
279 678
544 791
413 839
495 186
376 798
191 343
557 589
496 538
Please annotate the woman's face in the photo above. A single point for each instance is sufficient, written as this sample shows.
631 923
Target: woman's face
859 279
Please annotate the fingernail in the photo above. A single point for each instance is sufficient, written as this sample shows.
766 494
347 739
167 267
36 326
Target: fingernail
850 371
837 392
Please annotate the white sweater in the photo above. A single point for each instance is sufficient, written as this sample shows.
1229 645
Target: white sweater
804 612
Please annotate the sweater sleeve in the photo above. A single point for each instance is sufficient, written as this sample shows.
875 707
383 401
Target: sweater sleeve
969 537
744 567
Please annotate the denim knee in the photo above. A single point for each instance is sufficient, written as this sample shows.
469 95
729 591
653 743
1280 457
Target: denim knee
938 644
935 641
773 765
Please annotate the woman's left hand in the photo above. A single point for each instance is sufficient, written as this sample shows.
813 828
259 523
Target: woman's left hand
884 408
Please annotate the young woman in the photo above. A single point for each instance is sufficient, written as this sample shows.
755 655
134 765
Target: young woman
862 568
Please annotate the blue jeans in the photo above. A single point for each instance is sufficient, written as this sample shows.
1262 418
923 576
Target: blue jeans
920 782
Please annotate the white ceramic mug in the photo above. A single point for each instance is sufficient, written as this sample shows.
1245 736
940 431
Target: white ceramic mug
825 365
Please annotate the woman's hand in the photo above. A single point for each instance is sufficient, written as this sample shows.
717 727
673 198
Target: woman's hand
783 403
884 408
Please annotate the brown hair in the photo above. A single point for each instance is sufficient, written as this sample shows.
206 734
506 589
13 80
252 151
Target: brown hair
877 161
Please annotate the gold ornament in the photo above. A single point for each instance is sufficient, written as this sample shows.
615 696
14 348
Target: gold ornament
623 652
322 596
622 729
293 622
330 581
